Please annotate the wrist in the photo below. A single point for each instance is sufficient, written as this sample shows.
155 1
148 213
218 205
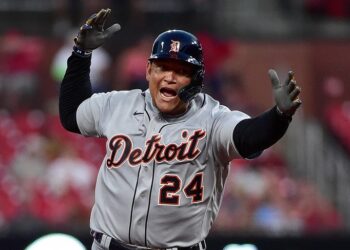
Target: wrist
80 52
283 115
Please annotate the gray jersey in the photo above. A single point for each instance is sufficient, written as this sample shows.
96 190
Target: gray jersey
161 181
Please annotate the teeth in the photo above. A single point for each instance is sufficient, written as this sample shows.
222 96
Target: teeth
167 98
168 93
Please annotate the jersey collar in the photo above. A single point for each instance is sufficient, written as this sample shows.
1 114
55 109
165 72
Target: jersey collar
195 105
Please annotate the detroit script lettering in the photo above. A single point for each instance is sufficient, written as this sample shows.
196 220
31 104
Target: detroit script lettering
122 149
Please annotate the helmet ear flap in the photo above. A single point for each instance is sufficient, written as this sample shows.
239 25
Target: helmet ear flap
188 92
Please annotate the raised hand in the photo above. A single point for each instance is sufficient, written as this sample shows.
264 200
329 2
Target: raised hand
286 95
92 34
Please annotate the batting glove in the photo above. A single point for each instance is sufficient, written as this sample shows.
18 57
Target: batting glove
92 34
286 95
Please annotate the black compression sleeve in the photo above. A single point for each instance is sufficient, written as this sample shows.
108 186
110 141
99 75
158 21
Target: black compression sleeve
252 136
75 88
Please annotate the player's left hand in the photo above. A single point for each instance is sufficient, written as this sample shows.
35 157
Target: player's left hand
286 95
92 34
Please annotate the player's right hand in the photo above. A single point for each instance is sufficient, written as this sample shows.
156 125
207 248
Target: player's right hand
92 34
286 94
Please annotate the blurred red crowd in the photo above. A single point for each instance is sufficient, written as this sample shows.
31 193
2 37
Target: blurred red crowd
46 173
263 197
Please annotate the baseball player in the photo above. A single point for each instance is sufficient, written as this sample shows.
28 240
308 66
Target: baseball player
168 148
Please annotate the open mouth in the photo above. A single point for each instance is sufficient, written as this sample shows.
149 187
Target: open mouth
168 93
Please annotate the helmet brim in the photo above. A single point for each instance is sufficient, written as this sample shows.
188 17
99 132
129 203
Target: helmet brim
176 56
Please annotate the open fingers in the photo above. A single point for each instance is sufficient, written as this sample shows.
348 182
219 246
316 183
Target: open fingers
105 16
91 20
101 18
291 86
274 78
111 30
296 104
294 94
290 77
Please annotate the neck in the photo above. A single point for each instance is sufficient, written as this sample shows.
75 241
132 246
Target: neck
178 114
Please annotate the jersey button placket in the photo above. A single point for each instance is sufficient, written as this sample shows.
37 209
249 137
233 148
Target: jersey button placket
144 190
141 202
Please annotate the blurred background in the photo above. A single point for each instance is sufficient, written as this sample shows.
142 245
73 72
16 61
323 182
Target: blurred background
295 196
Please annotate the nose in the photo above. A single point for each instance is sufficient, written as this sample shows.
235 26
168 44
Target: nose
170 76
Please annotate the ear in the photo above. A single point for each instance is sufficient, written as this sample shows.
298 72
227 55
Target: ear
148 70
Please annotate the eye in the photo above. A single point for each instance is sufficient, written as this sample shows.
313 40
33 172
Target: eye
181 70
160 67
185 72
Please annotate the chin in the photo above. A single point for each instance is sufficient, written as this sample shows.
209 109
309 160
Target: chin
165 110
165 107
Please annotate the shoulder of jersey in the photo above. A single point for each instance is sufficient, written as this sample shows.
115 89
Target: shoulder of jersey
119 93
210 105
206 101
116 97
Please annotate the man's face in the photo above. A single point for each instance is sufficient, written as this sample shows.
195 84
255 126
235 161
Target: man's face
166 77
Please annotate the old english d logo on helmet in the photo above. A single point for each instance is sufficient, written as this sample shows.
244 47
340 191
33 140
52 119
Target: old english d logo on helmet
174 46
